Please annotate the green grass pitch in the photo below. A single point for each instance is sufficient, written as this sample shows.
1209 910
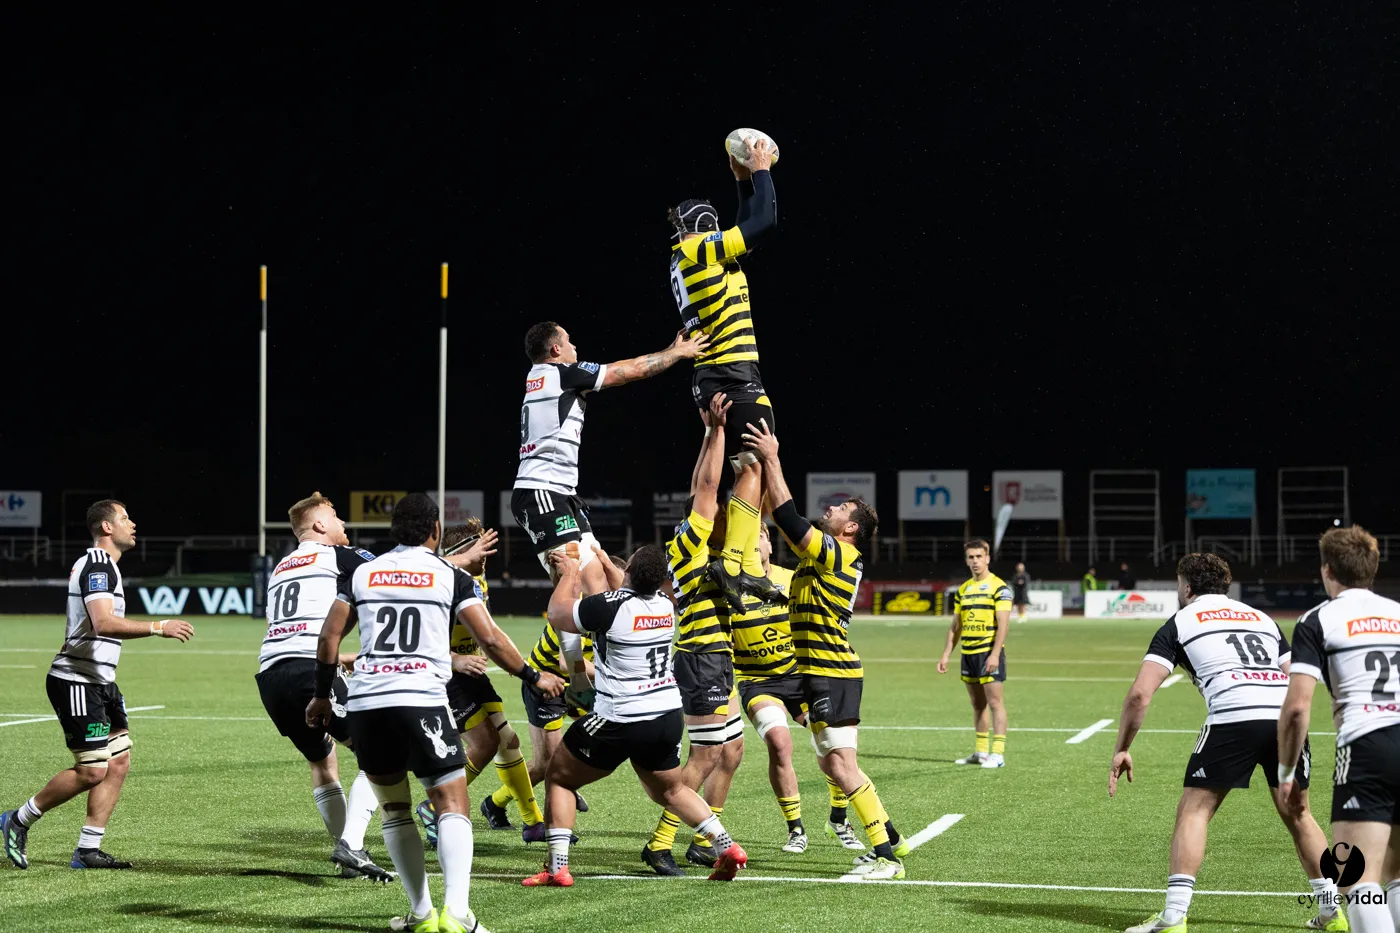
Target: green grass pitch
218 817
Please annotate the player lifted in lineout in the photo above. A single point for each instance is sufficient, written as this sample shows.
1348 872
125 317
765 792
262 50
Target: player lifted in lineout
981 613
83 691
712 295
545 500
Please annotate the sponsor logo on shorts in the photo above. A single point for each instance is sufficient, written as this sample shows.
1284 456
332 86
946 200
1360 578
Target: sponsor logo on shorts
1227 615
295 561
647 623
534 385
409 578
1372 626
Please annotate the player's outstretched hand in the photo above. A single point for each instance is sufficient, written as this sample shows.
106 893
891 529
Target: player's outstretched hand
318 712
178 629
740 170
1122 766
943 664
690 347
760 155
473 665
551 685
761 441
473 559
719 408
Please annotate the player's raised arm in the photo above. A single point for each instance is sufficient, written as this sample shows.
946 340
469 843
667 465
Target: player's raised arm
561 601
795 528
758 202
1150 677
644 367
499 648
704 482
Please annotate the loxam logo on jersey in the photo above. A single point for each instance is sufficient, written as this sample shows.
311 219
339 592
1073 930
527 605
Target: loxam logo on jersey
1261 676
1227 615
1373 625
295 561
393 667
534 385
408 578
647 623
278 630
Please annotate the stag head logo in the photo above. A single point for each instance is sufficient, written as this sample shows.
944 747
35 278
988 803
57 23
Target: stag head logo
435 736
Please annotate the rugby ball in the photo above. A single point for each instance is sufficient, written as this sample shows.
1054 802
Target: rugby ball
738 144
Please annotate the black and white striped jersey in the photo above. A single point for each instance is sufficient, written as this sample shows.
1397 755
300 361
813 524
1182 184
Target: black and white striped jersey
1352 644
551 424
406 601
300 593
86 657
631 653
1233 653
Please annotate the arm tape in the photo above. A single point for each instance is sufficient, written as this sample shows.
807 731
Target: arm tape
790 523
325 678
528 674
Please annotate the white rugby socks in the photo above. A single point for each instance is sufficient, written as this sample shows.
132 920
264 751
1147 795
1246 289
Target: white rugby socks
91 837
330 800
1325 892
1179 891
1392 896
1366 912
28 814
359 809
455 856
558 848
713 830
406 852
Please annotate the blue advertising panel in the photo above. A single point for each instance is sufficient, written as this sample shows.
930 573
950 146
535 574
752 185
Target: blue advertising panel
1219 493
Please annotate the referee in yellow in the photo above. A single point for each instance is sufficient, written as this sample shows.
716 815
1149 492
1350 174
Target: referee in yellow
981 616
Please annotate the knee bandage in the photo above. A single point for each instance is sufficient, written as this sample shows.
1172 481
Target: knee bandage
388 794
119 745
504 732
734 727
768 719
437 780
833 737
92 757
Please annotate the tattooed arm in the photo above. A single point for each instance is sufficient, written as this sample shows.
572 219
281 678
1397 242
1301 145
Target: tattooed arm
644 367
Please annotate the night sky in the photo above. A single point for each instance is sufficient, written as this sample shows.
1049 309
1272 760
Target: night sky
1043 237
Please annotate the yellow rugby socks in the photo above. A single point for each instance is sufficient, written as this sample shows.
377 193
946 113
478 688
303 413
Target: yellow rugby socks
982 743
516 776
792 811
741 538
838 802
871 814
665 835
998 744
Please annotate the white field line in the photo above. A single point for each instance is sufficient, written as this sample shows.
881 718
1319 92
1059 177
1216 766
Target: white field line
1173 679
858 879
1084 734
937 828
1018 660
17 667
51 718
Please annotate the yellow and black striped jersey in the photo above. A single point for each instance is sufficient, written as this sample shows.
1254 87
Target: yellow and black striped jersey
712 293
463 641
978 603
704 615
820 603
763 635
545 657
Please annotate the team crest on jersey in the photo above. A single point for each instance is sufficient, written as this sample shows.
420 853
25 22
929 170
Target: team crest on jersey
1373 626
97 583
647 623
410 578
534 385
982 587
295 561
